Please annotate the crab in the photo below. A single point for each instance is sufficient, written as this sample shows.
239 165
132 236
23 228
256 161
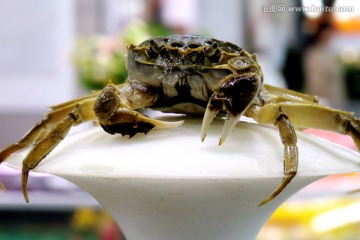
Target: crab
192 75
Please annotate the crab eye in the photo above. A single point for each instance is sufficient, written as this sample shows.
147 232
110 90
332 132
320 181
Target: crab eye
213 52
209 42
155 47
154 50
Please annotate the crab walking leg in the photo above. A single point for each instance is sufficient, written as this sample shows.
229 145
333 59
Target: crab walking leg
288 138
353 129
27 140
315 116
279 95
42 128
38 131
304 116
81 113
31 137
72 103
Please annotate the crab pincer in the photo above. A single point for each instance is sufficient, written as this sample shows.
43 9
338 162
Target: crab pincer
116 116
233 95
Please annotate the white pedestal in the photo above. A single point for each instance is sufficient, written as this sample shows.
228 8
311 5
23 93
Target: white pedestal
170 185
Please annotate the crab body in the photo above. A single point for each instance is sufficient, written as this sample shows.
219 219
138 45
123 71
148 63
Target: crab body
181 72
192 75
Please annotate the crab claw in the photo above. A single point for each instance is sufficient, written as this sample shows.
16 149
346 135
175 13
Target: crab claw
230 123
208 117
127 122
233 95
158 124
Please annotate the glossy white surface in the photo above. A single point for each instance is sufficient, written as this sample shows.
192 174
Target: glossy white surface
170 185
251 150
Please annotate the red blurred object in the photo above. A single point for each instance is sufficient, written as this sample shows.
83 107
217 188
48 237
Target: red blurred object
337 138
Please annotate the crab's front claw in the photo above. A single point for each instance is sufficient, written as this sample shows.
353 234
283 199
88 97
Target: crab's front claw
116 116
233 95
128 122
210 114
214 106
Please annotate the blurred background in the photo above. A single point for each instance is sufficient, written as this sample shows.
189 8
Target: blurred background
53 51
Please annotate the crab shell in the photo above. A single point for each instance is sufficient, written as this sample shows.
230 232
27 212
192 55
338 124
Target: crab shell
183 71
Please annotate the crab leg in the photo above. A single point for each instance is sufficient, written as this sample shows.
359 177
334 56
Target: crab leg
51 123
289 139
301 109
42 128
81 113
281 95
301 115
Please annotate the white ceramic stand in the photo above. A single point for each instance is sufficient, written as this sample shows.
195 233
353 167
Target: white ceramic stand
170 185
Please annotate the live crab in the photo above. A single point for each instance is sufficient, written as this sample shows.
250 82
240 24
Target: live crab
192 75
